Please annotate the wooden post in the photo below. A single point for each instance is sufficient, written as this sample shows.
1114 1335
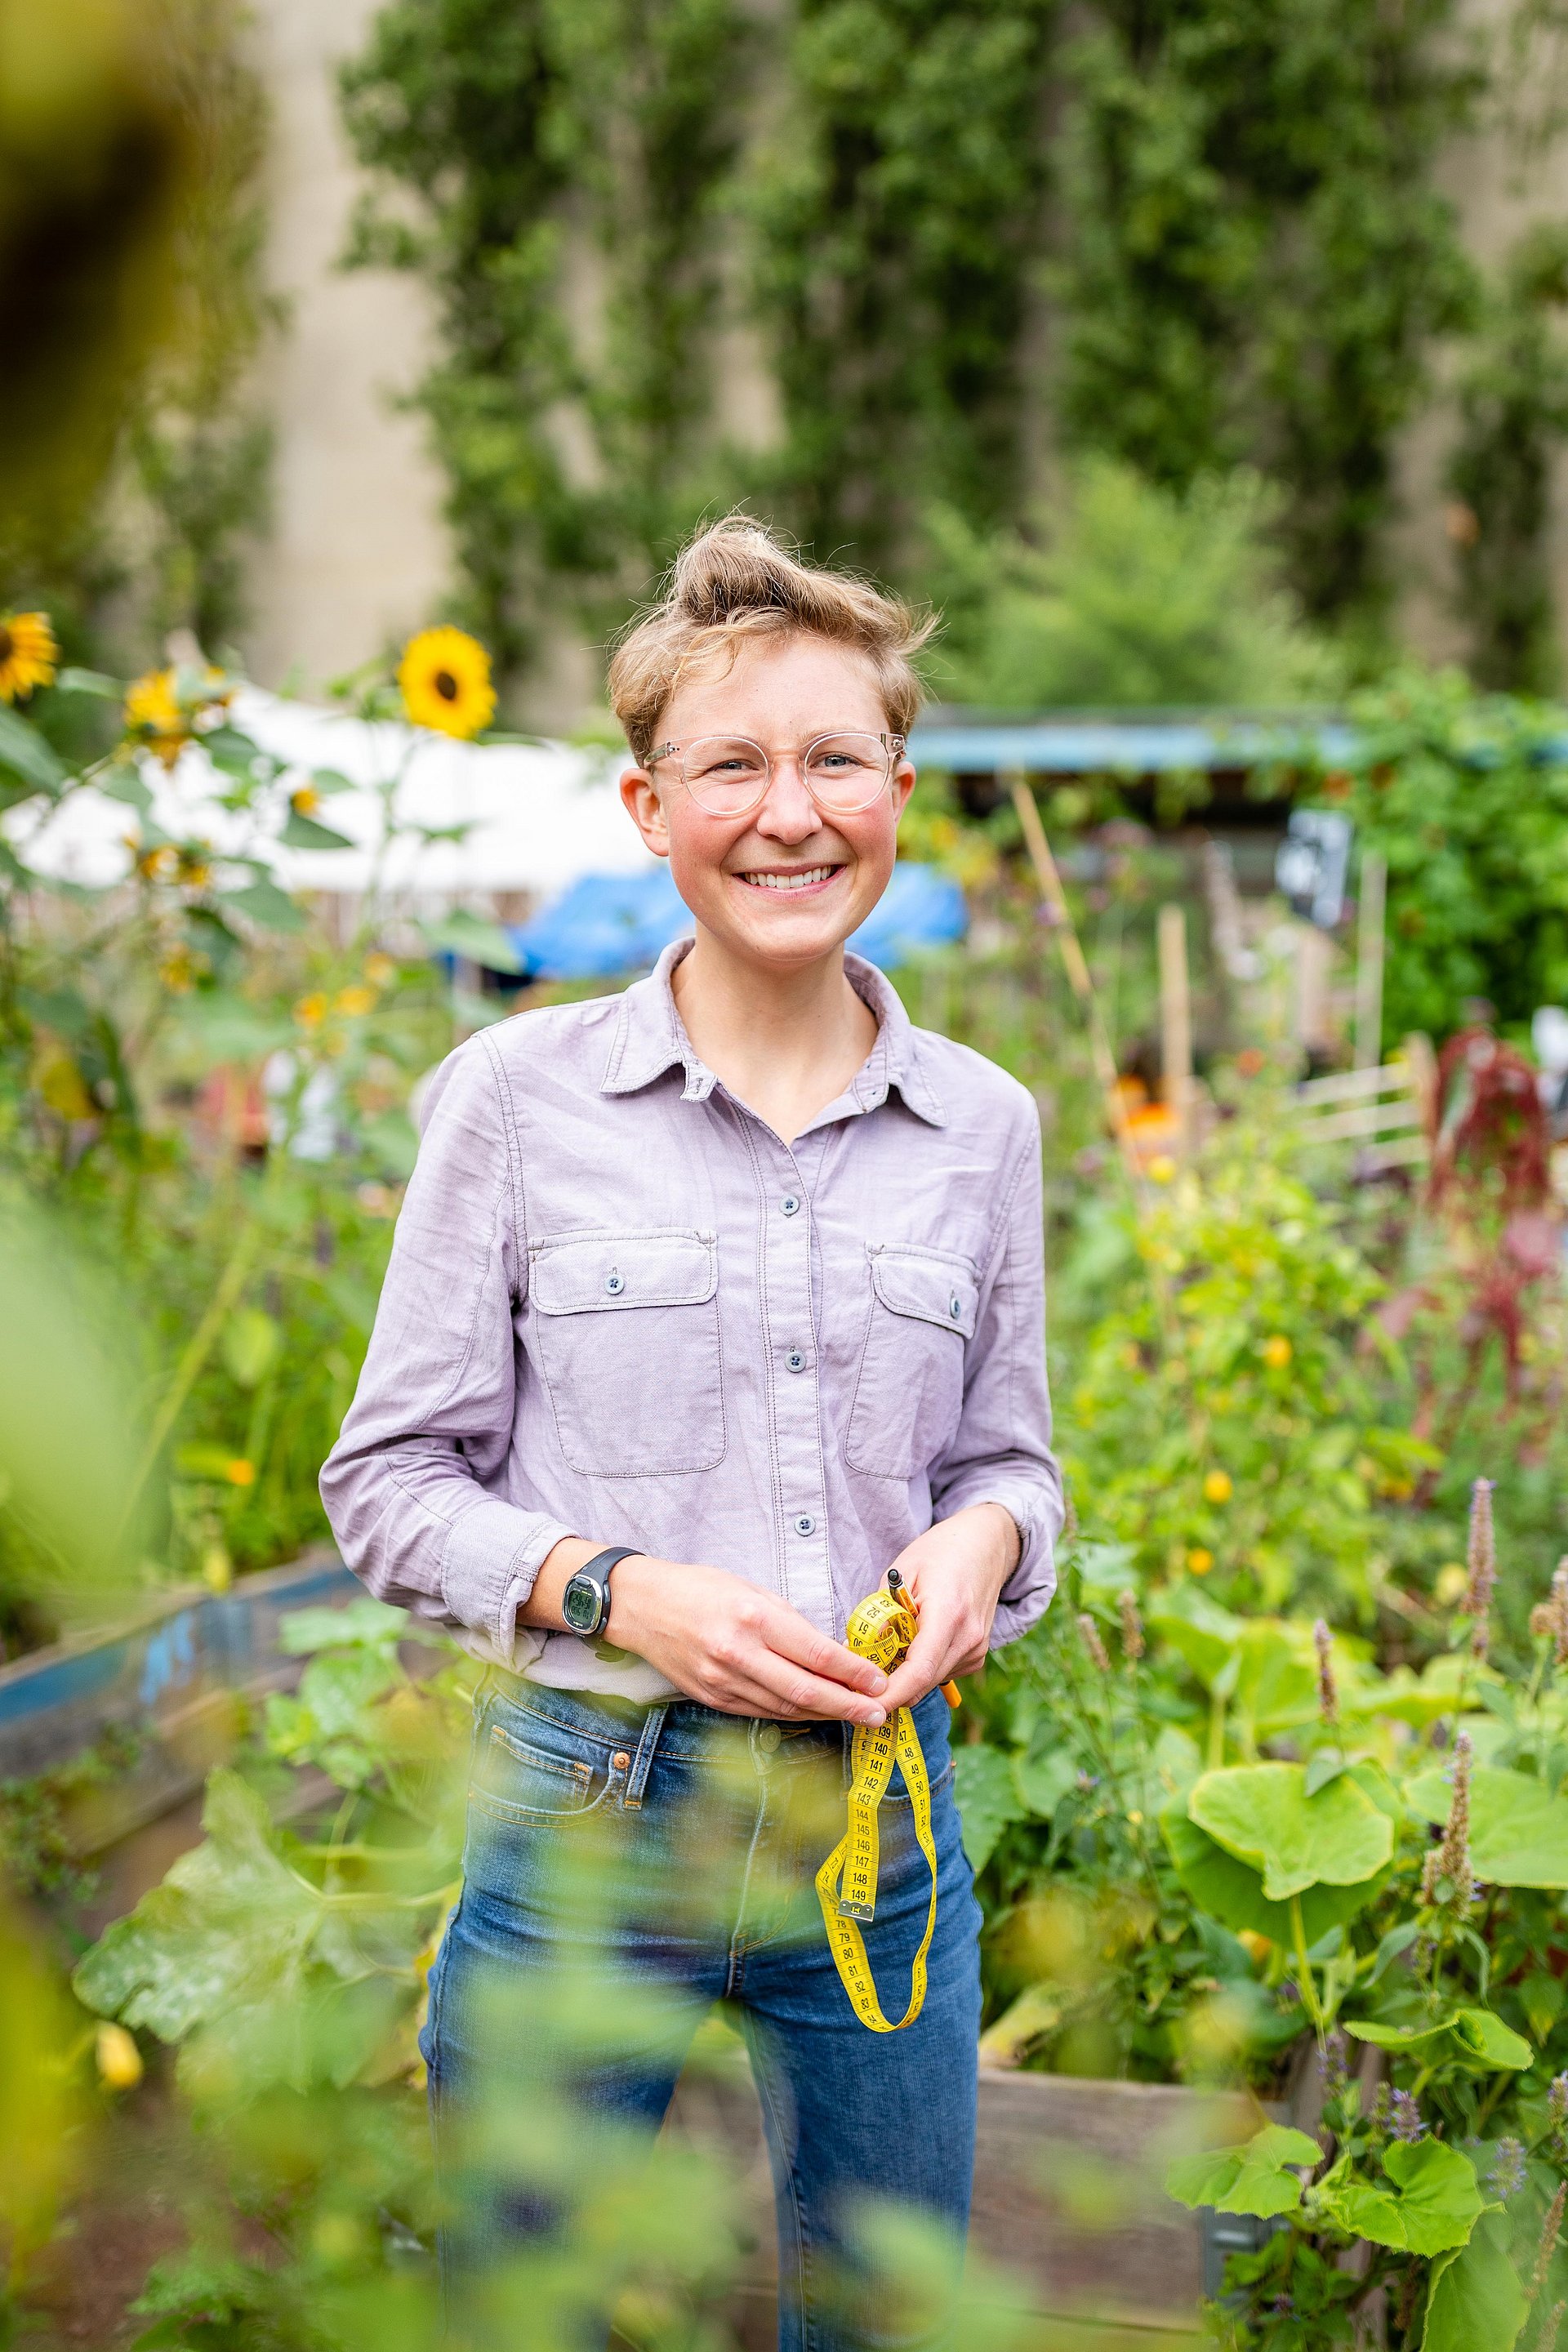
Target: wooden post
1077 966
1176 1024
1370 938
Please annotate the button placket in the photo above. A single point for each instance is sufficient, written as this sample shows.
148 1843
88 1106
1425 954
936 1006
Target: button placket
802 1495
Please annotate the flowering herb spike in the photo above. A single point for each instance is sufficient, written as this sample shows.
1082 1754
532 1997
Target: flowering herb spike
1093 1642
1132 1628
1328 1689
1482 1560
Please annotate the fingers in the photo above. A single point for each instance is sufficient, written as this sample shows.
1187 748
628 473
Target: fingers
769 1661
790 1635
932 1657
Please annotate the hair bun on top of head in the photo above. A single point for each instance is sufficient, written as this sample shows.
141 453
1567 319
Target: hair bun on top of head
734 566
734 583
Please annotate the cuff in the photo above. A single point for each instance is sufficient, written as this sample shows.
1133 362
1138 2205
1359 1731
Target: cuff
1027 1591
489 1566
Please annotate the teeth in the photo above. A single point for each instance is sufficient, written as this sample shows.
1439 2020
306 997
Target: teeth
789 881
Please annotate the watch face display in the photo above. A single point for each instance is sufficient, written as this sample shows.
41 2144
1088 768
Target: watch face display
580 1605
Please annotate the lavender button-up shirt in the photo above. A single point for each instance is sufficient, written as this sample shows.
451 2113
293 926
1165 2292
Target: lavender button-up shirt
620 1306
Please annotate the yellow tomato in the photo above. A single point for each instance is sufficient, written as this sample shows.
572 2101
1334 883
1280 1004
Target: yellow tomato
119 2059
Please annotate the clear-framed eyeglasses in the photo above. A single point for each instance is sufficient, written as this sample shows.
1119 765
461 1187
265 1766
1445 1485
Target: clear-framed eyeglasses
729 776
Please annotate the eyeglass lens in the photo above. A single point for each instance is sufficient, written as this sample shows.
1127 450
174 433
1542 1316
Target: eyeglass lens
727 774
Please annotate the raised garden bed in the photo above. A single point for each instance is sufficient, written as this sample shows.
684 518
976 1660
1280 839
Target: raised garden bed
1069 2208
173 1685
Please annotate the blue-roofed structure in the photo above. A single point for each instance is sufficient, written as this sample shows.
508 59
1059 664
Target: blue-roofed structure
606 924
1150 743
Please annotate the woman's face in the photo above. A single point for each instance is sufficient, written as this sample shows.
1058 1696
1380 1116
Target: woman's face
783 885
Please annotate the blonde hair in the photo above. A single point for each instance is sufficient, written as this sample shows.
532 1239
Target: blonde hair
736 583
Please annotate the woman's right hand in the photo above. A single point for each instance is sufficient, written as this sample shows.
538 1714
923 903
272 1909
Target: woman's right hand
744 1651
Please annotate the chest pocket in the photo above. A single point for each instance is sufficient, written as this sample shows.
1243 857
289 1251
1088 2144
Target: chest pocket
910 1391
625 1333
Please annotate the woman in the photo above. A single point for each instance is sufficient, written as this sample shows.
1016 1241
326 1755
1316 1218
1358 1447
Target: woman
710 1304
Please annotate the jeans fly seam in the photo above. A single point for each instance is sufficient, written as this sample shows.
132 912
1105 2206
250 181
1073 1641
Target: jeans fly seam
739 1940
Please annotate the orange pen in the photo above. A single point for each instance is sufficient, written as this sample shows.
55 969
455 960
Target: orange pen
896 1585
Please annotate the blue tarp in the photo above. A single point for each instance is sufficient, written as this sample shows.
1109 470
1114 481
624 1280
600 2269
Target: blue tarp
610 923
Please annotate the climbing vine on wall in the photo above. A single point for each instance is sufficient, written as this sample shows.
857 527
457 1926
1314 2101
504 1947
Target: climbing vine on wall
1513 411
566 154
1256 258
931 243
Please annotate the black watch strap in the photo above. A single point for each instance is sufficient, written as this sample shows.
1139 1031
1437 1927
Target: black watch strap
594 1576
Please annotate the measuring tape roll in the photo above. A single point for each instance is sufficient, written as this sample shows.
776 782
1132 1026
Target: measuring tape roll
880 1629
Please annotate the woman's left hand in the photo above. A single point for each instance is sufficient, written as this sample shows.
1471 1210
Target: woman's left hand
955 1573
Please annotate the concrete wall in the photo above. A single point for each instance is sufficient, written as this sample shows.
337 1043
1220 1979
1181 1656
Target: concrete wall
358 555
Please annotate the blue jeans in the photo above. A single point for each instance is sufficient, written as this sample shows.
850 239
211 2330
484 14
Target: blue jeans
626 1868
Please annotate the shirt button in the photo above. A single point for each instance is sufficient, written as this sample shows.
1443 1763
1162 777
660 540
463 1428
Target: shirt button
614 1284
768 1738
789 1204
955 1309
805 1525
796 1360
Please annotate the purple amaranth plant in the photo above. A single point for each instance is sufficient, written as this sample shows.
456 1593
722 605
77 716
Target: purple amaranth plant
1328 1689
1506 2178
1132 1643
1482 1560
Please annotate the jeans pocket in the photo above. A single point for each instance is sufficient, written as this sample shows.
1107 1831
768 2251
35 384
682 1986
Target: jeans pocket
527 1769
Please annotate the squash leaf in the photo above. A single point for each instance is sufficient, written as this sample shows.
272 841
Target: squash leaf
1262 1814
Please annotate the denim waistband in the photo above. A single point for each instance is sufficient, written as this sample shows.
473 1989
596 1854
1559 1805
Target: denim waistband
679 1726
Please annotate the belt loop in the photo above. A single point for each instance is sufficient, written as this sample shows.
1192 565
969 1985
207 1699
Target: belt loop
653 1724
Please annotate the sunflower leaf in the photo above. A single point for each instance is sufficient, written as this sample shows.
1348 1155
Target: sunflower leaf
28 754
304 833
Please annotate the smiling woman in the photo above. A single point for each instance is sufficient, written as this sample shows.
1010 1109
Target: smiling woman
709 1310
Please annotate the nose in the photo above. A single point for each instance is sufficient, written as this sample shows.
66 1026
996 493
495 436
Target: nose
788 813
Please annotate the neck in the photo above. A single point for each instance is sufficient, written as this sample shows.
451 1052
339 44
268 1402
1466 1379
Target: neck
786 1043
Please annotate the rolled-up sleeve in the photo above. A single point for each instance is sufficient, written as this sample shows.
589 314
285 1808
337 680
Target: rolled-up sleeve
411 1487
1001 1452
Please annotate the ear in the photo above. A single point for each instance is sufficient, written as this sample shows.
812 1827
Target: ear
639 798
903 785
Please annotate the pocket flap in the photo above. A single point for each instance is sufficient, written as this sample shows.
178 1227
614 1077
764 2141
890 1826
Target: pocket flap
586 1274
930 1284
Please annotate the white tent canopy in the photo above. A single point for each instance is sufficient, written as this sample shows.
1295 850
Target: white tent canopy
540 815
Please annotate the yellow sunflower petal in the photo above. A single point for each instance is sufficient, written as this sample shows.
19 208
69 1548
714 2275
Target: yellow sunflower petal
152 712
28 653
444 678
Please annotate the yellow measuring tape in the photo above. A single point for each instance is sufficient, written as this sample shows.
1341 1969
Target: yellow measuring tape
880 1629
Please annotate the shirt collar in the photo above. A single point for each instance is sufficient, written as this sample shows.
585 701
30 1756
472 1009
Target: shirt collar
650 1038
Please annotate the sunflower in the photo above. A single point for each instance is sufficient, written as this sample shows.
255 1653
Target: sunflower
444 681
28 654
154 714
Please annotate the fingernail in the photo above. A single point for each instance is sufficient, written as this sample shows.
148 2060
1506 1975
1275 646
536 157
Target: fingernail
874 1718
878 1683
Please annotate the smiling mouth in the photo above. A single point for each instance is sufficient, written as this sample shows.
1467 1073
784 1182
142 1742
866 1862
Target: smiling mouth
792 877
